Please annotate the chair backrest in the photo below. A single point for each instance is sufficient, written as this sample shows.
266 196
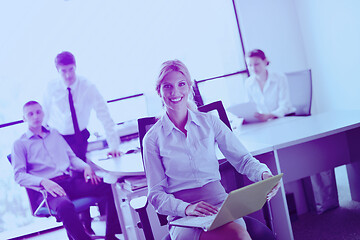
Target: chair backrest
226 169
219 107
144 124
32 194
300 86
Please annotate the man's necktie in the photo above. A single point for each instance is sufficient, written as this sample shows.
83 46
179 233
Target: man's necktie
73 113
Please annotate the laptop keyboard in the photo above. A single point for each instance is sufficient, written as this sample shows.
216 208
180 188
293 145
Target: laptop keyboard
205 221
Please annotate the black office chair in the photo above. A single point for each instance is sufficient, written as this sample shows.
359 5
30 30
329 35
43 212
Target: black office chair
43 209
256 229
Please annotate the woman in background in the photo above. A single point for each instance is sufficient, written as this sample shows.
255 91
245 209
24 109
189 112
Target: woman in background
180 162
269 90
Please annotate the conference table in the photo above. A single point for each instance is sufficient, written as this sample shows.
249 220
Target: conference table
301 147
114 171
296 146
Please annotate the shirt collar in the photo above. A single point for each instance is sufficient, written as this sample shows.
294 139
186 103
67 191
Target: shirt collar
193 118
29 134
72 86
268 81
270 77
168 125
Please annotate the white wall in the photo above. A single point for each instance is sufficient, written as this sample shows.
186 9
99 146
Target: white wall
119 45
331 31
273 27
323 35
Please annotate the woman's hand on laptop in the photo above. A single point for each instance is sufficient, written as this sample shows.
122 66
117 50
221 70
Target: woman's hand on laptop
200 209
275 189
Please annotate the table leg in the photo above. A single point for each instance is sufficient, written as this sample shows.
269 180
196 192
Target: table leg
353 168
279 209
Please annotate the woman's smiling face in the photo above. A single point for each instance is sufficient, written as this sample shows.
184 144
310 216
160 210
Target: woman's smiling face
174 91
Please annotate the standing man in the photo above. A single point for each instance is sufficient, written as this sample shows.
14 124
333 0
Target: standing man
68 103
41 158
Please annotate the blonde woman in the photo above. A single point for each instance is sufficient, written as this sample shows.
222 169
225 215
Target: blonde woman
180 161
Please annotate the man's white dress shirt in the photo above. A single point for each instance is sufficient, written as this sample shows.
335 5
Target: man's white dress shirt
86 97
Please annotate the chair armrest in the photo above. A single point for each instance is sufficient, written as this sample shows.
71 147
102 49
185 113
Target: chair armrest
45 200
35 188
44 194
139 205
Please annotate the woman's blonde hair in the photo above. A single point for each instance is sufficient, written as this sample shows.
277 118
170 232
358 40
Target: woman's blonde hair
176 66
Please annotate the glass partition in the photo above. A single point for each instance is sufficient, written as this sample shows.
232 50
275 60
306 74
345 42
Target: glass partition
230 90
118 44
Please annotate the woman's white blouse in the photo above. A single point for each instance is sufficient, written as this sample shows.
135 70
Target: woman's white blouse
275 97
174 161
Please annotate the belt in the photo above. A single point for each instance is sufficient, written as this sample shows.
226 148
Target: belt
60 178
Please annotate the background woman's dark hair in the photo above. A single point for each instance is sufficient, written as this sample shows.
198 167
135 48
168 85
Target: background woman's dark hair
257 53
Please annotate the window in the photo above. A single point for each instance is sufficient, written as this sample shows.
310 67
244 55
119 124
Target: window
119 45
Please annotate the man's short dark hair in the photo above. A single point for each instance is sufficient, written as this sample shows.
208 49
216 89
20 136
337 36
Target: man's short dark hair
30 103
64 58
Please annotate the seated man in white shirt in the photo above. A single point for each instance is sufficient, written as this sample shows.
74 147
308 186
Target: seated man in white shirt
42 158
269 90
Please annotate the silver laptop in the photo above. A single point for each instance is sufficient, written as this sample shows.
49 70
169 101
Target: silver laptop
238 203
245 110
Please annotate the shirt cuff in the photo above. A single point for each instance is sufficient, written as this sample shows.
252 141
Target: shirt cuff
261 171
181 209
278 113
37 181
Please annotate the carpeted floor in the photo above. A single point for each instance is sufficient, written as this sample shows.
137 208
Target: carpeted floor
342 223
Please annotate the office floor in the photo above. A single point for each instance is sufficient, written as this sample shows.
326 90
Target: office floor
97 225
342 223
